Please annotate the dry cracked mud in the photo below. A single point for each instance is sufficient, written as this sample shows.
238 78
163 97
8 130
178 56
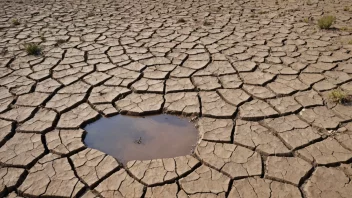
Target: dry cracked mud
254 75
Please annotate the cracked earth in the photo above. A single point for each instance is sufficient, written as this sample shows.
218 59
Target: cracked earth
254 76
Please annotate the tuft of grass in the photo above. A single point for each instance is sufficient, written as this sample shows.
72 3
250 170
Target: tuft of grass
306 20
344 28
326 21
32 49
181 20
350 42
15 22
339 96
346 9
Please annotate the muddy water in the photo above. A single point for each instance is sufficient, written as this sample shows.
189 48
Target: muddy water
142 138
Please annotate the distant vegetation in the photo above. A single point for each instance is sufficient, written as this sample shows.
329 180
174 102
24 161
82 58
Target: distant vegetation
326 21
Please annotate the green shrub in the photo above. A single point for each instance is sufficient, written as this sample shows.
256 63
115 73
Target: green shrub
15 22
326 21
32 49
339 96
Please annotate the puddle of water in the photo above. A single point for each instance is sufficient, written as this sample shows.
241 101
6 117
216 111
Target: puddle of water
142 138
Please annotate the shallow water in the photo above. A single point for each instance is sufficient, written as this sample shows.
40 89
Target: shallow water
142 138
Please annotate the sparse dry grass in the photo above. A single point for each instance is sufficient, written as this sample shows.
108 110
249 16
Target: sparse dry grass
32 49
339 96
15 22
326 21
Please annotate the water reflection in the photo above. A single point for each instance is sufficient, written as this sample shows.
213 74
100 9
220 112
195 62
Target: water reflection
142 138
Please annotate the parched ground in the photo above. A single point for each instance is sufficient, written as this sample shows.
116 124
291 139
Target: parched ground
256 73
